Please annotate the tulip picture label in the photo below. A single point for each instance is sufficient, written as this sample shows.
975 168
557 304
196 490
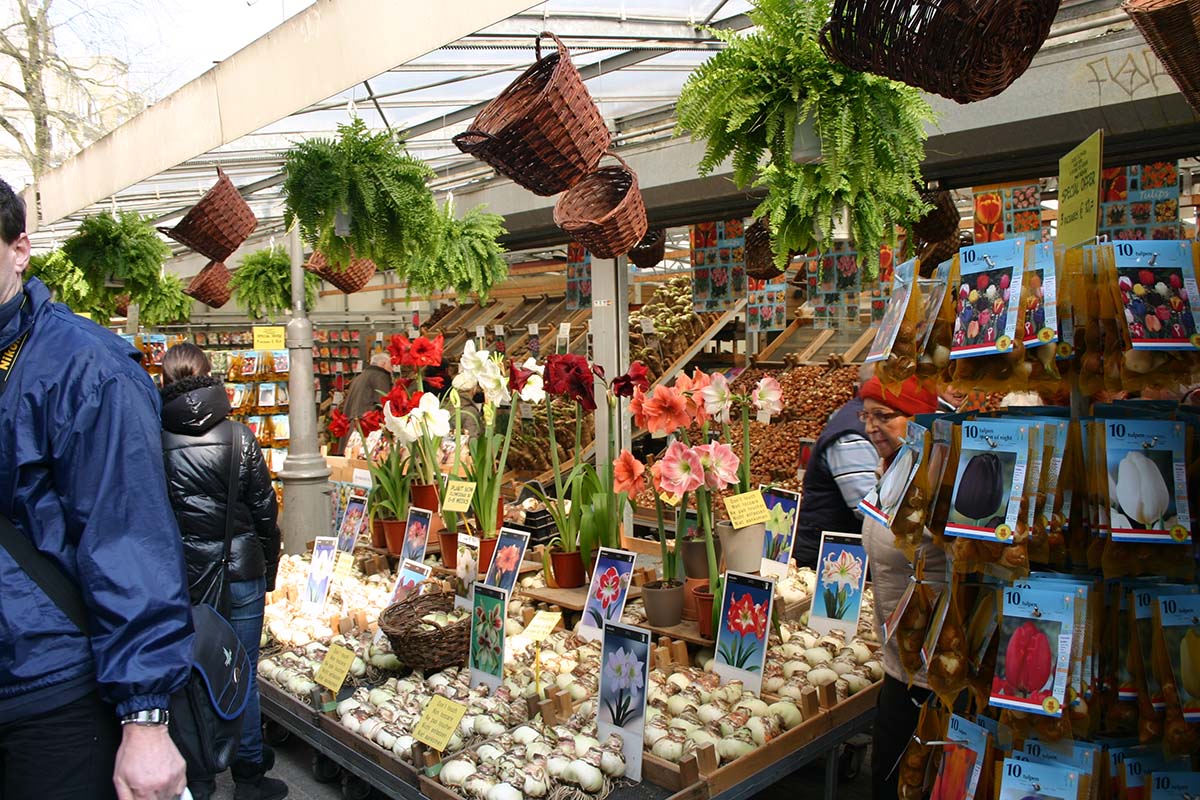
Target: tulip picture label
992 467
1179 618
1041 307
1158 290
1036 635
988 301
1024 779
889 326
1147 481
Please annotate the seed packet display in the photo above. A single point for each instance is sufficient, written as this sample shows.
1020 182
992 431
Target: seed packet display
783 506
608 591
1179 620
1041 313
990 481
624 680
1032 668
882 502
416 534
487 635
988 298
1167 785
1021 780
841 575
1139 763
1157 284
741 646
963 759
1147 472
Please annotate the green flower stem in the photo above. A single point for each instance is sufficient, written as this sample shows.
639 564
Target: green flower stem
704 506
744 468
668 566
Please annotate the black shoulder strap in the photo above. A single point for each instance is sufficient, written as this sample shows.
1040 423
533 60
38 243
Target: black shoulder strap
44 572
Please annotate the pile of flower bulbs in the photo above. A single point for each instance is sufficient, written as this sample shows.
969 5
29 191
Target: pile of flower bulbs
798 586
563 762
689 709
798 658
286 621
565 661
293 670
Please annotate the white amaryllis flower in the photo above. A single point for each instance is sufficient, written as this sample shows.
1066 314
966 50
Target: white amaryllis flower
768 397
535 387
404 429
493 379
470 366
1141 490
845 570
431 417
717 398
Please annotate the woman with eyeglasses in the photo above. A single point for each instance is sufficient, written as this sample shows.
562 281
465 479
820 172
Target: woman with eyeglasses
885 416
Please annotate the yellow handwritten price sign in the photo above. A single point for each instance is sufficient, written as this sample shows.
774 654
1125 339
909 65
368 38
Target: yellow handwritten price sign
458 496
1079 191
747 509
670 499
345 563
438 722
335 667
269 337
542 625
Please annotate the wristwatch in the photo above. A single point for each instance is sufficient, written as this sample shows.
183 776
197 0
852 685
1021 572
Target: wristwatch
150 716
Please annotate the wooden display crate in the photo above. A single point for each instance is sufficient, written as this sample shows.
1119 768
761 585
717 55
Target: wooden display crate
384 758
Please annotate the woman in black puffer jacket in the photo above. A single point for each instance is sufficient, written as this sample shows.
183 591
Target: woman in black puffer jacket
198 442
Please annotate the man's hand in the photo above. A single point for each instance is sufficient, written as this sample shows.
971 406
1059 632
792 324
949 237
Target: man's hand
148 765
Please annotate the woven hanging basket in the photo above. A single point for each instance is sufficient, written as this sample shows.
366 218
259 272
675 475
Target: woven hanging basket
934 253
964 50
604 212
941 222
350 279
426 650
218 224
649 252
760 254
1172 27
544 131
210 285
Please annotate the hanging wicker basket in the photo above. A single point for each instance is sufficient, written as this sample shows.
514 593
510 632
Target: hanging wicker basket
760 254
934 253
941 222
604 212
1172 27
218 224
962 50
426 650
350 279
210 285
544 131
649 252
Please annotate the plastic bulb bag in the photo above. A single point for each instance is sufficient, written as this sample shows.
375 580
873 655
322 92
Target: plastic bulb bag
949 666
1176 663
1040 331
987 347
918 765
896 347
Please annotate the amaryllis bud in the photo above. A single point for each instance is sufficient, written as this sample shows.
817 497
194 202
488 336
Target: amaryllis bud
1029 661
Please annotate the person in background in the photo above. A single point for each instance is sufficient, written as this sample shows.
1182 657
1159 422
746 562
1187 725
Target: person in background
84 714
364 391
950 400
886 415
841 470
198 443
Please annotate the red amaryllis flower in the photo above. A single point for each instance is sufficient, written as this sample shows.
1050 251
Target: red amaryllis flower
741 617
628 474
339 424
636 378
434 381
398 397
570 376
518 376
370 422
398 348
609 588
426 352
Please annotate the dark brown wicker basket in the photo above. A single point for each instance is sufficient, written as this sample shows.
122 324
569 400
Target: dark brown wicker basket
350 279
604 212
210 285
1172 27
934 253
544 131
941 222
649 252
760 255
218 224
426 650
965 50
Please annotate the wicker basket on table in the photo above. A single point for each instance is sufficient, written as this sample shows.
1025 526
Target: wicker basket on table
604 211
426 650
934 253
1172 27
218 224
649 252
210 285
350 279
544 131
965 50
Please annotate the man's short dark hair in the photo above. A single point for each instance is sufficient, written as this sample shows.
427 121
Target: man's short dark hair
12 213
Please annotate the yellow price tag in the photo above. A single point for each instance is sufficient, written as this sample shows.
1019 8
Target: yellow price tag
542 625
270 337
458 496
334 668
438 722
344 565
747 509
670 499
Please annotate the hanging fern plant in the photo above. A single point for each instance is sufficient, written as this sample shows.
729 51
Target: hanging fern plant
361 194
748 101
61 276
164 302
262 284
115 254
468 258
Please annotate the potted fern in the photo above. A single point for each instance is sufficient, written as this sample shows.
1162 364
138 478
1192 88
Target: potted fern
362 196
262 284
754 99
467 259
163 302
116 254
63 278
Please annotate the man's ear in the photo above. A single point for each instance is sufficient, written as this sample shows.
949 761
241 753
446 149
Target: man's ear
22 249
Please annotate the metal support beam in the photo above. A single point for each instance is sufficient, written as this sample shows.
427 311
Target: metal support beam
305 476
610 347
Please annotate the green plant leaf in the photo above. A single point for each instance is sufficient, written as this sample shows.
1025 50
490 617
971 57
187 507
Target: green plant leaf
262 284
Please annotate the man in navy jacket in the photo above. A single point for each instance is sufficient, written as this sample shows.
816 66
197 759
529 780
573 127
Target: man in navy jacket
81 475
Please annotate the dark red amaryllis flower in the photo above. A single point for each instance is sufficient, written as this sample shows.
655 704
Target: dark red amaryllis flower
398 397
434 381
570 376
399 348
636 378
425 352
518 376
370 422
339 424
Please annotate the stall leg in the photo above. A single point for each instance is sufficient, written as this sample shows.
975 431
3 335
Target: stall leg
831 774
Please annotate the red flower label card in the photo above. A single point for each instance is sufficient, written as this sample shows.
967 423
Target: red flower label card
744 626
1033 665
608 591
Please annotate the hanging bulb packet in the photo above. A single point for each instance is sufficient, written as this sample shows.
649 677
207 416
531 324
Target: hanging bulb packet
1176 667
1036 637
986 343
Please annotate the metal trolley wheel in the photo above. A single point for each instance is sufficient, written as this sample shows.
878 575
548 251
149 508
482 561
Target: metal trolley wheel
324 768
273 733
355 788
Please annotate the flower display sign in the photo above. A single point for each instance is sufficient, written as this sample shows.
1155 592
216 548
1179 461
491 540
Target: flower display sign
1147 481
783 505
841 574
624 678
608 591
744 626
353 522
487 635
416 534
467 570
506 563
1032 667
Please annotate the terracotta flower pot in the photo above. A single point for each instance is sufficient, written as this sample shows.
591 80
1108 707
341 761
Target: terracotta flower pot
689 598
448 542
425 495
695 558
664 603
487 549
393 531
568 569
743 547
378 537
704 611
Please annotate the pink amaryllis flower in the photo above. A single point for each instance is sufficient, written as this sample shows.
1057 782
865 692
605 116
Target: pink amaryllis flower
717 398
768 397
628 474
681 470
720 465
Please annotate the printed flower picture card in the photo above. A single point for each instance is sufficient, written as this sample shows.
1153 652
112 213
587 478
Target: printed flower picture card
841 574
506 562
743 629
624 680
608 591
